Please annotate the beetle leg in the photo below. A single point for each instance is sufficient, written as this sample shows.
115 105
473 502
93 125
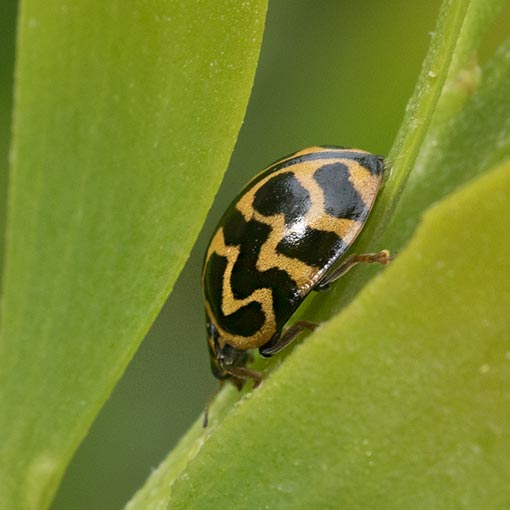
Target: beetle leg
287 338
241 374
381 257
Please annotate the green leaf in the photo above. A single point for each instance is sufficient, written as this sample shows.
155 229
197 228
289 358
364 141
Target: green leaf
125 119
461 25
443 142
401 401
7 30
462 145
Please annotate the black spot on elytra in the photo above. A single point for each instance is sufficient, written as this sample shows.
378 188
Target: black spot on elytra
313 247
283 194
341 198
234 227
247 320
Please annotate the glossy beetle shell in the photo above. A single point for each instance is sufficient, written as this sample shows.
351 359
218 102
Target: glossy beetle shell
280 236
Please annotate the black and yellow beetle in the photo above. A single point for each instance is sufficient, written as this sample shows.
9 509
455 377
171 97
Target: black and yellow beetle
278 240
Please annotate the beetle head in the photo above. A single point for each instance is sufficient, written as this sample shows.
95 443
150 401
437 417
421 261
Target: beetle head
223 356
214 351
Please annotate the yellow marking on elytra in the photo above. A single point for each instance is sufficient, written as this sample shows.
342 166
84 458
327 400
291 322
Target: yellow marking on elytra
269 258
230 305
365 183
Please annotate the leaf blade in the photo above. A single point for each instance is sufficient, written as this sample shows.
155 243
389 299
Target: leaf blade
109 187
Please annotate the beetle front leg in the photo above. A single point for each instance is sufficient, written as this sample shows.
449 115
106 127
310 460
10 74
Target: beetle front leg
287 338
239 375
381 257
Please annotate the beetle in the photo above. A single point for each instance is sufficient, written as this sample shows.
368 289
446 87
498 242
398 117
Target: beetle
281 238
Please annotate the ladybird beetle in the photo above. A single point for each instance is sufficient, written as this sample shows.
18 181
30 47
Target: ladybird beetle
279 240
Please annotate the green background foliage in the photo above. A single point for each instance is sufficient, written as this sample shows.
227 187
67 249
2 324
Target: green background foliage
339 74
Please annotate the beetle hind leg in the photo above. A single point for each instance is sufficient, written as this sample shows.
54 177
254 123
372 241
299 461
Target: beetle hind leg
381 257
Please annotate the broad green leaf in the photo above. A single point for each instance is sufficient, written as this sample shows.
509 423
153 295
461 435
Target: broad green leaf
7 29
401 401
125 118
